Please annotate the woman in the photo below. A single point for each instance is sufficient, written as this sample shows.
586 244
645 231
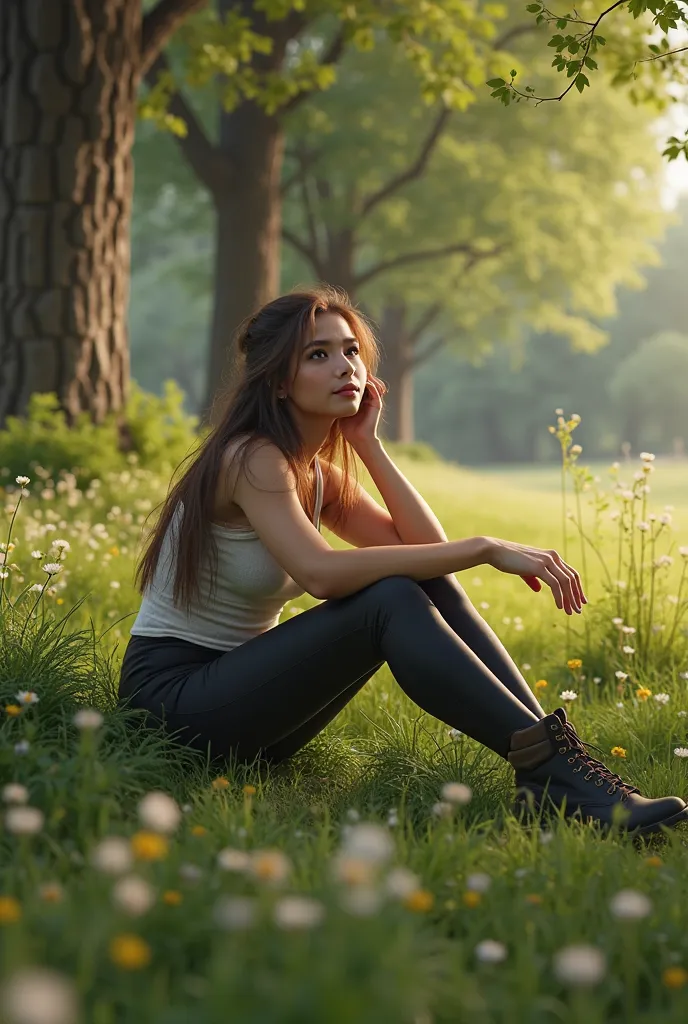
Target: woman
238 536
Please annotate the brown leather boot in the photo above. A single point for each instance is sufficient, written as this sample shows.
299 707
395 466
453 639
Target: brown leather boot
550 755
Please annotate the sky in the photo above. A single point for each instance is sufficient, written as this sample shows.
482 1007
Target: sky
676 171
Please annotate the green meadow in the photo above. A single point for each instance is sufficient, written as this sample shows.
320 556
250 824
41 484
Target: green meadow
357 882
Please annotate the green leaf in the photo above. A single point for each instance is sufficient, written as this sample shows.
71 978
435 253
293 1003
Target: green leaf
534 8
581 83
590 63
495 83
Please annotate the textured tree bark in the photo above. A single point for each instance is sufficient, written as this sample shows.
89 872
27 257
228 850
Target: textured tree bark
397 371
248 232
67 111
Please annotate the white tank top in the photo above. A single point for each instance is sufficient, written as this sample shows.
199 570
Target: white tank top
251 589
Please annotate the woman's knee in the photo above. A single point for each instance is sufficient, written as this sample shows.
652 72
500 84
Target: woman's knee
392 588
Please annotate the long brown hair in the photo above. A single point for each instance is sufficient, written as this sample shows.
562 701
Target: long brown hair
263 348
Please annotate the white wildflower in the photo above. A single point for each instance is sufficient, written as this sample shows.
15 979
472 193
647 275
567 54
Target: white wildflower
52 568
88 718
401 882
575 418
621 676
455 734
133 894
628 629
665 519
15 793
568 695
115 584
235 913
683 552
369 842
190 872
22 480
617 621
230 859
662 698
442 809
112 855
22 747
647 457
38 995
478 882
643 527
619 703
558 412
26 697
628 650
681 751
489 951
580 965
456 793
159 812
296 912
24 821
62 545
630 905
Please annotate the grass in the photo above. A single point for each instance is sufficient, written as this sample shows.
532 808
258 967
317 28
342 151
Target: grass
196 936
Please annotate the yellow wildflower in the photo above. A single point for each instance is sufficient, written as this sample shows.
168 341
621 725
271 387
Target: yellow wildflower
130 951
642 693
172 897
220 783
654 861
10 910
114 551
270 865
149 846
534 898
574 663
250 790
199 830
541 684
13 709
471 898
674 977
420 900
60 600
618 752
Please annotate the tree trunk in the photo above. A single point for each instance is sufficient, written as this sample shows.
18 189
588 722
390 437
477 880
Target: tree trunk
249 229
397 371
68 75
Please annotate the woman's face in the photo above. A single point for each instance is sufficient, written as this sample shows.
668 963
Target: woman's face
328 360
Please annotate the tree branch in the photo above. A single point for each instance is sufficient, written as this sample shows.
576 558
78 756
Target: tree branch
427 319
422 357
412 172
160 23
304 249
427 254
513 33
210 165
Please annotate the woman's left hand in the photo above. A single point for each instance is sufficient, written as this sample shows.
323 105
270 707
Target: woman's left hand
361 429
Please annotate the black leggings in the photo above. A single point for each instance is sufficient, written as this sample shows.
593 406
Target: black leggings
268 697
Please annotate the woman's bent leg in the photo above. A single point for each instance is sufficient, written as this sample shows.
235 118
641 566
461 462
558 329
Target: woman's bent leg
449 597
250 698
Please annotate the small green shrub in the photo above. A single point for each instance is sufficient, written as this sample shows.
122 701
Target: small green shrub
158 433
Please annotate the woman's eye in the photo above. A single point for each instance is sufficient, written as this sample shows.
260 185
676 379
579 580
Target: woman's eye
353 348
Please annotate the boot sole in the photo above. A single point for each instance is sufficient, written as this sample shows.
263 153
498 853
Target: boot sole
522 811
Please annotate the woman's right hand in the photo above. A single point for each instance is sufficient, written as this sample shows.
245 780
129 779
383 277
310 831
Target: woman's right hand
549 566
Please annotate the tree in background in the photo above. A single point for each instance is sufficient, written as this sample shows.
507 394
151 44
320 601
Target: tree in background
69 73
649 389
496 410
466 228
290 51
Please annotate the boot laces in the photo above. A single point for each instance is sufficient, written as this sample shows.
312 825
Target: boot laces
578 745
